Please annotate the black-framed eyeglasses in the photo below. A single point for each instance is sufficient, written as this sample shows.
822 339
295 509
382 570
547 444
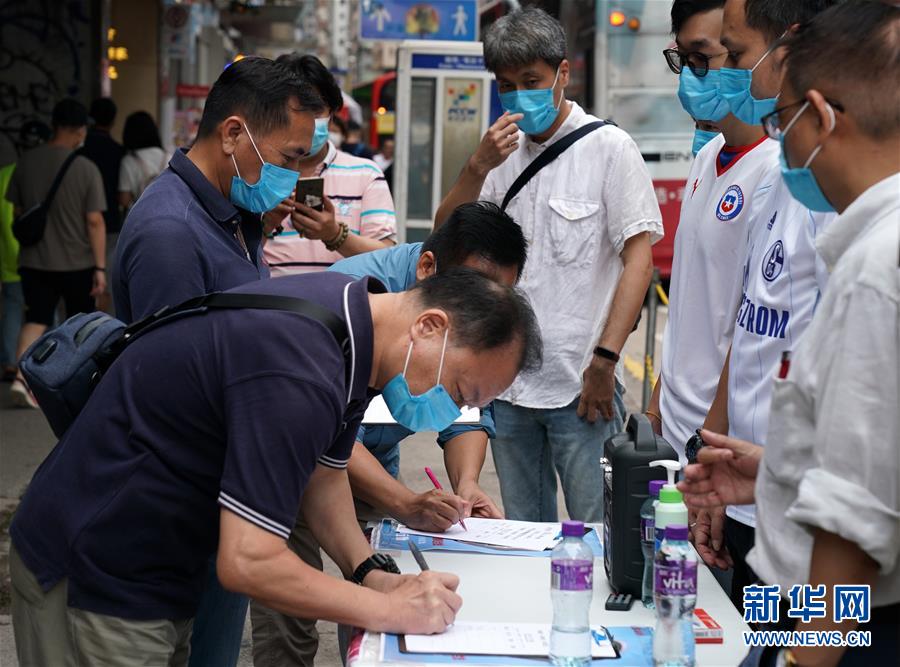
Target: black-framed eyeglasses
771 122
696 61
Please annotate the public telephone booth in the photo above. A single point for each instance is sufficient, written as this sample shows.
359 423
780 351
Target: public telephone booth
444 100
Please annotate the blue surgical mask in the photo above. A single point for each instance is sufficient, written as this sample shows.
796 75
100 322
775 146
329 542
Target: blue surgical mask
536 106
275 184
432 411
699 95
734 87
701 138
800 181
320 136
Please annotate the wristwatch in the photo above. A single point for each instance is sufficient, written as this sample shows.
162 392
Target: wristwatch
694 444
374 562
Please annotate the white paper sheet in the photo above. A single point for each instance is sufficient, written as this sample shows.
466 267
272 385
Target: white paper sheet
507 639
378 413
526 535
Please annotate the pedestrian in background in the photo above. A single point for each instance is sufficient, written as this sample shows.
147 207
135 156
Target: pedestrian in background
354 143
12 305
106 153
358 210
69 262
145 158
385 157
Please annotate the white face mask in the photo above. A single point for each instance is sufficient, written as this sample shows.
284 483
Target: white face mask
336 138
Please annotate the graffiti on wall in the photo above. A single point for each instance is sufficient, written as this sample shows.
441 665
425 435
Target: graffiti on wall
43 45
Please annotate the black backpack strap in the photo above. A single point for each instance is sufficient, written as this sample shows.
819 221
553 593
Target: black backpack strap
549 155
233 300
57 181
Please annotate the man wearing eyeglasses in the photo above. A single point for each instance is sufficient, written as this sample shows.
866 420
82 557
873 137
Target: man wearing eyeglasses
781 278
827 483
712 230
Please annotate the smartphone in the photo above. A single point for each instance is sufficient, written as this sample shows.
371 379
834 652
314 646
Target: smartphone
311 192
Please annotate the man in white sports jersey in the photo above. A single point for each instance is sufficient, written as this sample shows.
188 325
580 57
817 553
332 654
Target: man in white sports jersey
712 230
781 284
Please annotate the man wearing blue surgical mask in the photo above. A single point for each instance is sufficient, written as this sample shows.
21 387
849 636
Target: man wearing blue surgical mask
590 218
197 229
357 213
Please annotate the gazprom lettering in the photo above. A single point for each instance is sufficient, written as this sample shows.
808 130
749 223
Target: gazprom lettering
761 320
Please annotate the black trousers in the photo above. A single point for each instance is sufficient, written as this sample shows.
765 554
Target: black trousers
43 290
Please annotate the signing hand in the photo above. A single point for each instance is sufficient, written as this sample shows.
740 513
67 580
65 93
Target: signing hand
707 534
498 143
725 472
425 604
597 390
435 511
481 503
313 224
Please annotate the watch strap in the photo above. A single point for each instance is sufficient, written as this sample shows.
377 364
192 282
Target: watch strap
374 562
605 353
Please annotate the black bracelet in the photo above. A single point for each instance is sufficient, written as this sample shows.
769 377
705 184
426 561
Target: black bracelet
603 353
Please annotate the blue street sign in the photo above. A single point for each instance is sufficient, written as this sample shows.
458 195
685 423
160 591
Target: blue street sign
454 20
438 61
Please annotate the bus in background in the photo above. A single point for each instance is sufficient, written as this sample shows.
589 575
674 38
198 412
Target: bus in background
378 101
634 87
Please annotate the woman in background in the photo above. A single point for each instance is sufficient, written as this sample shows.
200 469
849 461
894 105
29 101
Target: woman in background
145 159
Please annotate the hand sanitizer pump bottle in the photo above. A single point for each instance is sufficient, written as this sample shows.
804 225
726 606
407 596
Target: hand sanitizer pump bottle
671 508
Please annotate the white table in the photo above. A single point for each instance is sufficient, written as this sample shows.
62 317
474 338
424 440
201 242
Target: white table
516 589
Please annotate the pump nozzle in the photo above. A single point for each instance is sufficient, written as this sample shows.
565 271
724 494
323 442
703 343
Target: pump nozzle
671 468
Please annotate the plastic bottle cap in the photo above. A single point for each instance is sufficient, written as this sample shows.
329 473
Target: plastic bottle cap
676 532
573 528
670 495
655 486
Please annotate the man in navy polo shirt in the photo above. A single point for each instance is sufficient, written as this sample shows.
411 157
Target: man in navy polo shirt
196 228
179 453
477 235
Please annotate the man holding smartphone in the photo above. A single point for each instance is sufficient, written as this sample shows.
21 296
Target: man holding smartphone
355 212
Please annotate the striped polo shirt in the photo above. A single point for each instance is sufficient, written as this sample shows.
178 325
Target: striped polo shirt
361 199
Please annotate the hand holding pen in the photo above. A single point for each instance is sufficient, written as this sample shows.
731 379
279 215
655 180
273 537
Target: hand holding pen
437 485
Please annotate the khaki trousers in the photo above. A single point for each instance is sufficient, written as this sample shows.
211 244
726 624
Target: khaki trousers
49 632
284 641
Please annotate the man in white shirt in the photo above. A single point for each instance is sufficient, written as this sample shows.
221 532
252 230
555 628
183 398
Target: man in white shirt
590 218
780 288
711 239
827 484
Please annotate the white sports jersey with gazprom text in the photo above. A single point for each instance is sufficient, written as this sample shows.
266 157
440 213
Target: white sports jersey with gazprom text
705 290
783 280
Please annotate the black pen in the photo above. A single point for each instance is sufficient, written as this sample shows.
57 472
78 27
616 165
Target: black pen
417 554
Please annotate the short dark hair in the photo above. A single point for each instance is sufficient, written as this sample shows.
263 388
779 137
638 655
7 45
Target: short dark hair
522 37
140 131
312 70
260 90
484 315
103 111
826 54
774 17
682 10
481 229
342 126
69 113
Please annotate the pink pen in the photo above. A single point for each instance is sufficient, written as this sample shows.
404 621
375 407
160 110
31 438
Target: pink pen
437 485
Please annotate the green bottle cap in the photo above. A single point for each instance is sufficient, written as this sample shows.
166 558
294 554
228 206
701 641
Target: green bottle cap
667 494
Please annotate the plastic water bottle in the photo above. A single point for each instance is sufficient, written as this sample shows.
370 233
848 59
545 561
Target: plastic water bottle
571 589
648 541
675 592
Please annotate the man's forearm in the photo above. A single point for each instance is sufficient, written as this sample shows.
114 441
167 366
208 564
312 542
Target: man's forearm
717 417
96 229
834 561
467 188
373 484
630 292
328 508
357 245
464 457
